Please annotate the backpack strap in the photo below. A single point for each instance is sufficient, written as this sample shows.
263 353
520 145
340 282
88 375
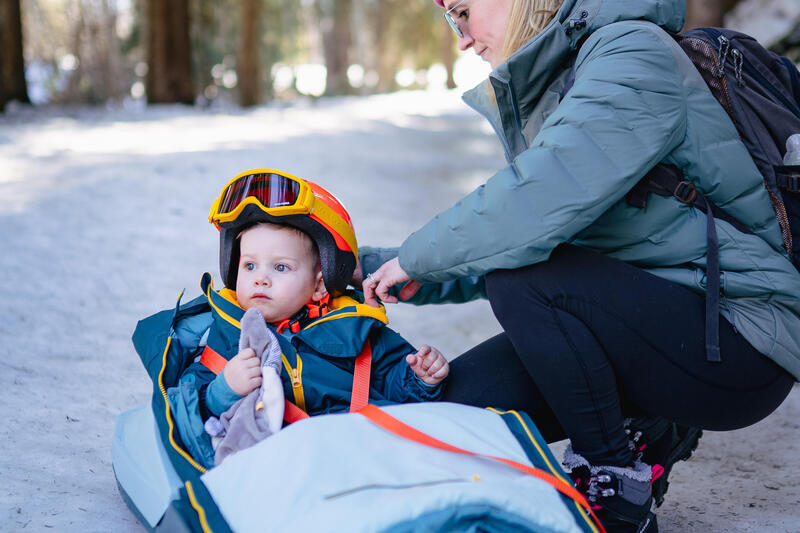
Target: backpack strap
668 180
382 419
788 178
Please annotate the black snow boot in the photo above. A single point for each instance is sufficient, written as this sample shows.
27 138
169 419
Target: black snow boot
661 443
620 497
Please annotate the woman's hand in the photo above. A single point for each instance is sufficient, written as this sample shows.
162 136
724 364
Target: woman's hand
377 284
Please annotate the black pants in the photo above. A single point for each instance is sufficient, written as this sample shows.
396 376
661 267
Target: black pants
590 340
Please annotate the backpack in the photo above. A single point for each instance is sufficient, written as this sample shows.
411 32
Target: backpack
760 91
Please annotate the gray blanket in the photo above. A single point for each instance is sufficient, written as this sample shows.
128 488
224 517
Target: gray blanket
259 414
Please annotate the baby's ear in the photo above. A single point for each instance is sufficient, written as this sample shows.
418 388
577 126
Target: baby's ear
319 287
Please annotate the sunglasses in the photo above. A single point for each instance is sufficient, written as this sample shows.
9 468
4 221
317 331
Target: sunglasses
452 21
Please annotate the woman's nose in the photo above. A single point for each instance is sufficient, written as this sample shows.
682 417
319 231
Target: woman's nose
466 41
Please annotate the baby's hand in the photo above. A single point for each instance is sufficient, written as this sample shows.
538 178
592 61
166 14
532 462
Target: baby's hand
243 372
428 364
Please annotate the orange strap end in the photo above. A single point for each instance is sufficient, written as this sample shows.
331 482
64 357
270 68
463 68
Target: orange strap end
212 360
292 413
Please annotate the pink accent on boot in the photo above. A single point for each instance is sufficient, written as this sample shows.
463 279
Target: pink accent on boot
657 472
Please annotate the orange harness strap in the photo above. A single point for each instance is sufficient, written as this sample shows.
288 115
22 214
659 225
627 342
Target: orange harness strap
359 397
212 360
292 413
216 363
384 420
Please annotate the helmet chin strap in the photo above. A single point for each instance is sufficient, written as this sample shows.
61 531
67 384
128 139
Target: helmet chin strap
310 312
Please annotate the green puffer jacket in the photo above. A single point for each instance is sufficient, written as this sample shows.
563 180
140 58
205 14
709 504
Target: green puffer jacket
637 100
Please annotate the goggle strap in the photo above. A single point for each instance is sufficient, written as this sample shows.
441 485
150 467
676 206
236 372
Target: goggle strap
342 233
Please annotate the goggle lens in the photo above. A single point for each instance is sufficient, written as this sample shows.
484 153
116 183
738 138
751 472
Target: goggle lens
271 190
453 24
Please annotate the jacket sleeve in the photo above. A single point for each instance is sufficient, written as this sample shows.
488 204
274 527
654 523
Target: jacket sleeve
624 113
391 374
455 291
184 402
218 395
214 397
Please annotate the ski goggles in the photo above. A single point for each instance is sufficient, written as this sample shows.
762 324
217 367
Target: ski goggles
280 194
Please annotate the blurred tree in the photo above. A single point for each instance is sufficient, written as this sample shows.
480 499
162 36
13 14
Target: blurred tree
407 35
335 18
280 38
207 42
249 66
703 13
380 18
169 55
95 75
449 54
789 45
12 64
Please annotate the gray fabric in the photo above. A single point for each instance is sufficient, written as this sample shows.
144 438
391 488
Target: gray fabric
259 414
634 482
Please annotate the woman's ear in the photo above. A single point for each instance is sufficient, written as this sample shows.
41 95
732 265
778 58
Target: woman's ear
319 287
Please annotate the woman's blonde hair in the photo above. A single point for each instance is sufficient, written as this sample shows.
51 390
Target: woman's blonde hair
526 19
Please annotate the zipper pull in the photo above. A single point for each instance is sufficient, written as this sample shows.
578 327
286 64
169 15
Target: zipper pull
296 378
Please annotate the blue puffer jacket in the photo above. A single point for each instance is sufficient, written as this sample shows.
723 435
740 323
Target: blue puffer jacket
637 100
318 361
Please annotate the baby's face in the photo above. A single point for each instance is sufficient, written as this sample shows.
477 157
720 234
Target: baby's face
278 272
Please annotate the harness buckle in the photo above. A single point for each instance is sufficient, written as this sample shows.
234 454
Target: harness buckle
793 183
685 192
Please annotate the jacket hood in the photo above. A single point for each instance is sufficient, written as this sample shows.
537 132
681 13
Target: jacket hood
529 70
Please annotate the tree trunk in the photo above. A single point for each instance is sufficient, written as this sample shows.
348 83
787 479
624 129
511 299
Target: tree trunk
249 56
110 62
169 58
335 18
449 54
387 62
12 63
72 93
703 13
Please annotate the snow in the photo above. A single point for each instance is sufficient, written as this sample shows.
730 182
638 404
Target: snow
103 220
766 20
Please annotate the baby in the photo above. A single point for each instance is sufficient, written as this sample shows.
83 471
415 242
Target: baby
288 248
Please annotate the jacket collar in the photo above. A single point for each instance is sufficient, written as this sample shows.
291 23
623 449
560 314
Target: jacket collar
223 302
344 330
519 82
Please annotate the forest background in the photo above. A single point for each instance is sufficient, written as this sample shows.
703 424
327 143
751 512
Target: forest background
250 52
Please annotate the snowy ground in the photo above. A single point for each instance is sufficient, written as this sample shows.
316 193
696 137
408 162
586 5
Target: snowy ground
103 221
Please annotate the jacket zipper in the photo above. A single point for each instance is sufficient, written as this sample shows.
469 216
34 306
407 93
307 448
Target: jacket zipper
296 376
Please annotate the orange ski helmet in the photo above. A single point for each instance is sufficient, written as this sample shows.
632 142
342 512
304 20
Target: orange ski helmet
267 195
